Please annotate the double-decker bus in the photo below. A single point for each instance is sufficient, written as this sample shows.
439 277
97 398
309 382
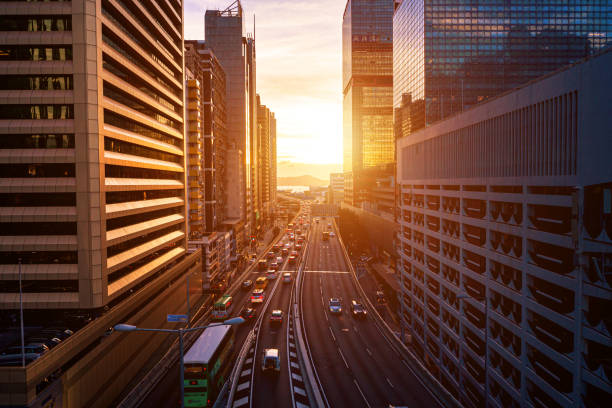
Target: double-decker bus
222 307
207 365
325 235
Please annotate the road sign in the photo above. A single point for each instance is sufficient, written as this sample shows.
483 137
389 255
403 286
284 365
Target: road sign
177 318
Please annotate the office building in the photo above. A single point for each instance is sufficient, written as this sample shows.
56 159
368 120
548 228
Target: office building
450 55
336 188
367 82
92 187
210 108
224 35
267 159
505 244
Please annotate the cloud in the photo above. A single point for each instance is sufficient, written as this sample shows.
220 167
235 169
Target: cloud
299 59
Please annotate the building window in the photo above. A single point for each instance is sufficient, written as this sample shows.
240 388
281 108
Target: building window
35 53
37 112
36 23
36 82
37 141
37 170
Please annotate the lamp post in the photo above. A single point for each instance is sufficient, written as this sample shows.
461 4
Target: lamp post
21 317
129 328
462 296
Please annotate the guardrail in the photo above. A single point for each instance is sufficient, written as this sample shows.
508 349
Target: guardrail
313 382
235 375
429 382
161 368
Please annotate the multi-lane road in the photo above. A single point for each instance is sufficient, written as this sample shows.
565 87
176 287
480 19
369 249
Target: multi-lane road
353 361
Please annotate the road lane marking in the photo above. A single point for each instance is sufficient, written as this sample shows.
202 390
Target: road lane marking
343 359
355 328
368 351
326 318
361 392
332 333
389 382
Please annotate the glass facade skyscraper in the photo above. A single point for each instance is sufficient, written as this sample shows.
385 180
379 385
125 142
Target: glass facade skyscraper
367 78
449 55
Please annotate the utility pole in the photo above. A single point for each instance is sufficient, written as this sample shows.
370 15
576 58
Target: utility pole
21 317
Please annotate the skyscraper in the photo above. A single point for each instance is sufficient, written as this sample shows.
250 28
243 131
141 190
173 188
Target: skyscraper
92 184
367 81
224 34
267 158
448 55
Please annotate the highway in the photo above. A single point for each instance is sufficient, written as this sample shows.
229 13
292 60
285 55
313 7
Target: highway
355 364
269 390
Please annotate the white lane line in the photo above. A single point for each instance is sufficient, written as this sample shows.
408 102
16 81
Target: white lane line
389 382
369 352
332 333
326 318
361 392
406 364
355 328
343 359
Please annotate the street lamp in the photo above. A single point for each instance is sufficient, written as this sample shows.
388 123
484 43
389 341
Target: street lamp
462 296
122 327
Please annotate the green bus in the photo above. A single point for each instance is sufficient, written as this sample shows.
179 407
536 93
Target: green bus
222 308
207 365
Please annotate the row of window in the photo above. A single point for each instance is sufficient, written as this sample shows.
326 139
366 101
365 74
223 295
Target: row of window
132 243
38 228
138 173
36 82
37 141
38 257
56 111
37 170
38 200
120 146
35 23
113 197
35 52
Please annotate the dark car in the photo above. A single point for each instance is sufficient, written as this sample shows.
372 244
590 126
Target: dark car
358 310
246 285
248 313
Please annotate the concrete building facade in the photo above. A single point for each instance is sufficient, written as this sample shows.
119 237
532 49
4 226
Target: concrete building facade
92 186
505 244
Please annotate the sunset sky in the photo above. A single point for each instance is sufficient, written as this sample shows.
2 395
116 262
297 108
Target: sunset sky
299 56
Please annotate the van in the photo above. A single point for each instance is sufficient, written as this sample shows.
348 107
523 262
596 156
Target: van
270 360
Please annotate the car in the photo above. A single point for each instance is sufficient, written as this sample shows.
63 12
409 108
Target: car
331 234
279 260
285 251
14 360
31 348
61 333
286 277
335 306
50 341
262 265
247 284
248 313
358 310
273 266
257 296
292 259
276 317
380 296
294 253
271 274
261 283
298 247
271 360
270 255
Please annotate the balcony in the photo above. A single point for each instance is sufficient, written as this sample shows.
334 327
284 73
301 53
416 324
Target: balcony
551 257
474 262
474 208
474 235
551 372
551 219
550 333
552 296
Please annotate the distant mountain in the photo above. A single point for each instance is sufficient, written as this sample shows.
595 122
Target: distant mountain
305 180
287 168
